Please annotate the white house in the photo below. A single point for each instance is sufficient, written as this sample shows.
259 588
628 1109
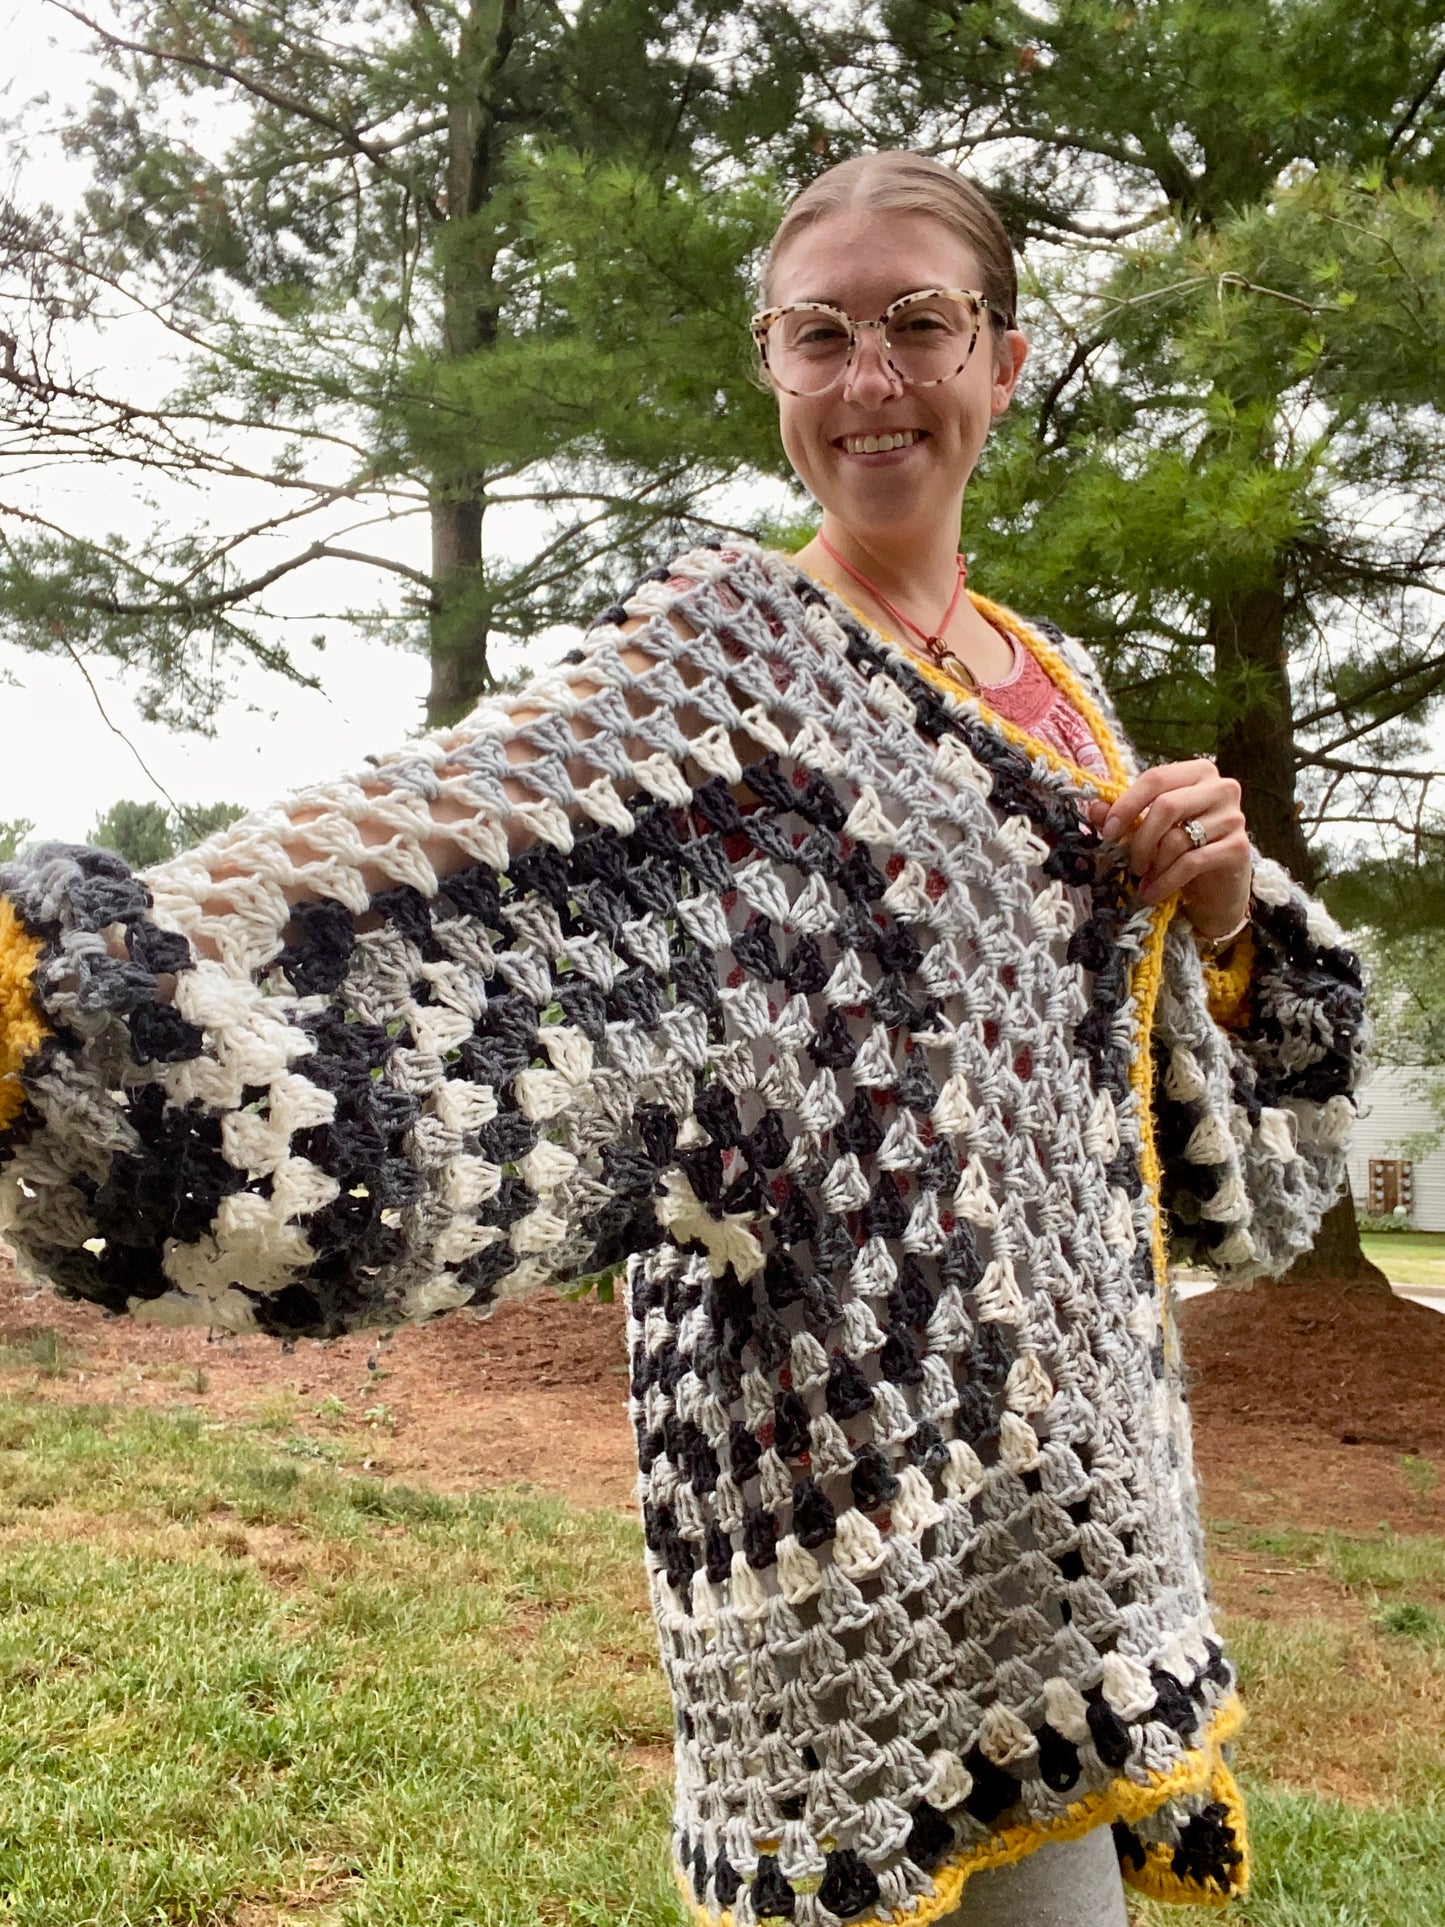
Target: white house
1381 1177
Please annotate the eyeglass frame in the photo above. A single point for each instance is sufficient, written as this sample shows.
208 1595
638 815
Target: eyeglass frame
762 321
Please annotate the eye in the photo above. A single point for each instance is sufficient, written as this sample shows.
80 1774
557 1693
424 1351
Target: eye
818 331
922 321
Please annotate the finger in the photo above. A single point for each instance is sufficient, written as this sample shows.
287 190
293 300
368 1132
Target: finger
1225 864
1221 866
1217 813
1169 813
1145 837
1153 783
1176 876
1212 802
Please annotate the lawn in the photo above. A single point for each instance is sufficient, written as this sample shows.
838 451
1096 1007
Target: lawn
1407 1257
1349 1699
243 1687
246 1688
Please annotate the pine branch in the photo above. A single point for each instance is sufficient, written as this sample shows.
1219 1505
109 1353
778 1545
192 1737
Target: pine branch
1434 668
286 103
1307 760
167 602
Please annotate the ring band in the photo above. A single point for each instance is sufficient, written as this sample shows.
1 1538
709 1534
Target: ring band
1195 831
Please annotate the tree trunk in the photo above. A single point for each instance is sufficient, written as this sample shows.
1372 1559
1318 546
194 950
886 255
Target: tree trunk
461 619
1336 1257
1255 737
1256 746
459 622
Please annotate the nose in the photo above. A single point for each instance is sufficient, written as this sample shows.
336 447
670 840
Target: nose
869 378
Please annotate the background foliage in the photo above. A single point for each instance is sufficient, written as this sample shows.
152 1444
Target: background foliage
372 235
146 833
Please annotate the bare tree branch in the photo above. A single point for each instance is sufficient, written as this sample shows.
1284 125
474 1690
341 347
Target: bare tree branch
302 109
1407 119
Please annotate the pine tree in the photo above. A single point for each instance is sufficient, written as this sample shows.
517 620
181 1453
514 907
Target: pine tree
142 833
1228 468
14 830
421 260
147 833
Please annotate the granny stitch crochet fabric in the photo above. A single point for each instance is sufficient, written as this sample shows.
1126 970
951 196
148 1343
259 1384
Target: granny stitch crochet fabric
886 1090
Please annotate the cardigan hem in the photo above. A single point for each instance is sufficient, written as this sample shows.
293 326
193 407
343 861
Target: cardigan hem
1123 1802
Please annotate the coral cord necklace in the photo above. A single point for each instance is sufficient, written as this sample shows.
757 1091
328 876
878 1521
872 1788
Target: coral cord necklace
941 656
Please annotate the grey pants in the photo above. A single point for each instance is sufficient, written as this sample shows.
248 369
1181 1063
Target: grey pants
1071 1883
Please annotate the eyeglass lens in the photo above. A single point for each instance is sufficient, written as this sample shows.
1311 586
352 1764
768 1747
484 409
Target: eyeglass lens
926 340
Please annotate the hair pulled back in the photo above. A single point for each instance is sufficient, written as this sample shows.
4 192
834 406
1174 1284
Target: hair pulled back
894 181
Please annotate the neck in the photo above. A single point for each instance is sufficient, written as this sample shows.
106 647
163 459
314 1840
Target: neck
920 579
911 566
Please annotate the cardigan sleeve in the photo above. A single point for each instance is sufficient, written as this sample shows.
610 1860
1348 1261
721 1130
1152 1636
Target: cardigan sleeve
1256 1068
1256 1064
364 1056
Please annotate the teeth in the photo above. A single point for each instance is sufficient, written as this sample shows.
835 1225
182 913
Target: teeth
875 444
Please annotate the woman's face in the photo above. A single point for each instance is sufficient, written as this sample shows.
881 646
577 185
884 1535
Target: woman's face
860 262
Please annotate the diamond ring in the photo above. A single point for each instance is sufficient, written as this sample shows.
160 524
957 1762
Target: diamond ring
1195 831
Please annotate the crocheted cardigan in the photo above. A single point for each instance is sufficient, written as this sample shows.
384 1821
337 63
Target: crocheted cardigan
887 1091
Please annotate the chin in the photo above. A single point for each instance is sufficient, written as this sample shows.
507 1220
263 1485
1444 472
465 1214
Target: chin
877 508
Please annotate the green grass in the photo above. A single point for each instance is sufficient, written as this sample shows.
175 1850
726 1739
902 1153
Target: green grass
1407 1257
1411 1620
245 1690
1365 1563
1384 1561
239 1690
1319 1863
1333 1703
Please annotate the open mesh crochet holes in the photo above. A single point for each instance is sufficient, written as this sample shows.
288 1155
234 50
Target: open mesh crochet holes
855 1080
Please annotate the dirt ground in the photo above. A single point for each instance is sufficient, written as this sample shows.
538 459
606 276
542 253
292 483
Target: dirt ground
1314 1406
1318 1406
536 1391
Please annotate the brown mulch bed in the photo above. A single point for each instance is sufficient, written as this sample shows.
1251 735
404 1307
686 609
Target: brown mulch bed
535 1392
1306 1399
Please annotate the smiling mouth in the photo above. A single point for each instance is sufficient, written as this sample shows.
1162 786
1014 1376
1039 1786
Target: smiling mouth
879 444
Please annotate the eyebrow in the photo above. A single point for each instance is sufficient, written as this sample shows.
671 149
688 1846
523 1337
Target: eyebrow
836 301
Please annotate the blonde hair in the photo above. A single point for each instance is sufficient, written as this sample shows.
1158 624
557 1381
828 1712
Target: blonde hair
895 181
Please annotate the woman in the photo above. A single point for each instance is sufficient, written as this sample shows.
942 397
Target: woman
759 948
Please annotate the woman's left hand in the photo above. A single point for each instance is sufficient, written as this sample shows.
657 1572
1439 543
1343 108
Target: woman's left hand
1214 880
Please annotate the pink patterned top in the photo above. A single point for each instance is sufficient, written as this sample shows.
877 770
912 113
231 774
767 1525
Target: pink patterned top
1028 697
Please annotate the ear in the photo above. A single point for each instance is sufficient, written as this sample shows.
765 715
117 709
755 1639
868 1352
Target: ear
1010 354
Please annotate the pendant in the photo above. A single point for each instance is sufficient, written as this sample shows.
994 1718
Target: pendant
949 663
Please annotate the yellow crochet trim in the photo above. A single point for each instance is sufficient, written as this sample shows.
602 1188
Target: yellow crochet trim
1068 684
1201 1770
1053 666
21 1028
1157 1880
1148 978
1227 985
